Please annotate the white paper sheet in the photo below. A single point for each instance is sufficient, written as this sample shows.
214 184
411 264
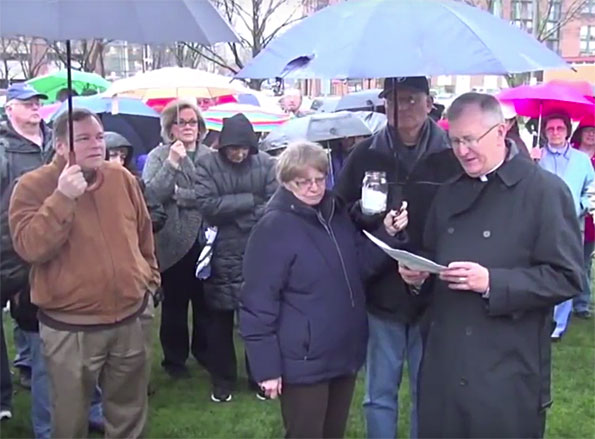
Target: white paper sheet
410 260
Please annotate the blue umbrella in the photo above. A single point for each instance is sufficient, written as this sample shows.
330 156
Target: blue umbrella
139 21
132 118
382 38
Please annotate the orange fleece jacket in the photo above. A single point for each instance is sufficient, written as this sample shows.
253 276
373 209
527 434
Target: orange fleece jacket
93 259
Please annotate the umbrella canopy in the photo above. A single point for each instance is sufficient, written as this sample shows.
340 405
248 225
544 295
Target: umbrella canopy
539 100
171 82
316 128
152 21
52 83
262 120
400 38
360 100
132 118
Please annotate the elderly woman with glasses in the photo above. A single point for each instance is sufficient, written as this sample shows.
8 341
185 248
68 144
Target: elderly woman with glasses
170 176
302 308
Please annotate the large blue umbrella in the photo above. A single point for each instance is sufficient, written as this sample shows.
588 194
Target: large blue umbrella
132 118
382 38
139 21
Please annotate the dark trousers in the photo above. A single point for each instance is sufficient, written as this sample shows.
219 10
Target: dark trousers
222 363
5 378
317 410
181 287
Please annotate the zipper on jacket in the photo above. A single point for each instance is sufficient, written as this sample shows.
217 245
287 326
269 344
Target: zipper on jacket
330 233
110 255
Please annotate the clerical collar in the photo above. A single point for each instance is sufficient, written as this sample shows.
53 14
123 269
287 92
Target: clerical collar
484 177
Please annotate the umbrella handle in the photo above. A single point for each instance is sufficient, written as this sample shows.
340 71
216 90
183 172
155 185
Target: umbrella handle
97 181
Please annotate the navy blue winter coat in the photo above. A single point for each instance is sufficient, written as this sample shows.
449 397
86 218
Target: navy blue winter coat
302 306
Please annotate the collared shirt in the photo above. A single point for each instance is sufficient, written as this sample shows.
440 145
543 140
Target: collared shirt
555 160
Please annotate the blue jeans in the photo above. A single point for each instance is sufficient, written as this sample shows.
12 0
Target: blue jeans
389 343
582 302
21 345
41 417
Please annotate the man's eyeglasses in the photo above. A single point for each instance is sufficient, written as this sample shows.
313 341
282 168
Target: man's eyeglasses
406 101
183 123
469 141
303 183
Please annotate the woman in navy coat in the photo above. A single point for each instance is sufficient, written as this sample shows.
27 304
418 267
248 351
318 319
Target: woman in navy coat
302 307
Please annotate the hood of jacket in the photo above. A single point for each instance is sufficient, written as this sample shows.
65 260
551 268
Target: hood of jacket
115 140
238 131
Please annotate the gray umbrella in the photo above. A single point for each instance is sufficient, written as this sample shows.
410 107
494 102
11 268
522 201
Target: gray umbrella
138 21
316 128
367 99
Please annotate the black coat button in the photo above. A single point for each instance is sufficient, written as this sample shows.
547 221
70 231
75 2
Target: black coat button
463 382
450 230
487 233
468 330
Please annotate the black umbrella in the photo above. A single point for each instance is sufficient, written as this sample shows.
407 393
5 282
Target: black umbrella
139 21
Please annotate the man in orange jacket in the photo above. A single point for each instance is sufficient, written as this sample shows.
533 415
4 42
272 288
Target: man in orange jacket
93 270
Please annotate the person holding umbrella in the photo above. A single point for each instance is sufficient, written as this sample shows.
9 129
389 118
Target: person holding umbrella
93 270
575 168
584 140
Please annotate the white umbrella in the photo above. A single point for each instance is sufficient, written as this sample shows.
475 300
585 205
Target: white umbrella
171 82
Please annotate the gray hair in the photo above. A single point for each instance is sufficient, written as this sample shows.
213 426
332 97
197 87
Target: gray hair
487 104
170 114
299 156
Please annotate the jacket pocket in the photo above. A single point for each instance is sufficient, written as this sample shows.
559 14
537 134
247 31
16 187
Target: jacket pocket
294 334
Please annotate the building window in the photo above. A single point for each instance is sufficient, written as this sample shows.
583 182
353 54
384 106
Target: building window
522 14
589 7
587 40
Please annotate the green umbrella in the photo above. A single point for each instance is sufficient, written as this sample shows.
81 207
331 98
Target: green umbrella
81 81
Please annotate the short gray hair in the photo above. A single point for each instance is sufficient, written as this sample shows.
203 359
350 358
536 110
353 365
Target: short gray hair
299 156
170 114
488 105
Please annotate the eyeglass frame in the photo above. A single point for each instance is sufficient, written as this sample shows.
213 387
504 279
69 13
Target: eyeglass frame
457 142
182 123
307 183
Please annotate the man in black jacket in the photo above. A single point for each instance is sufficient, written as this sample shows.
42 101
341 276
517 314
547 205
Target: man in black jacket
234 185
417 160
25 144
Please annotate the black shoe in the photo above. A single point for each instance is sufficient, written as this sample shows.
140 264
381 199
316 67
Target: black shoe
220 395
261 395
583 314
177 373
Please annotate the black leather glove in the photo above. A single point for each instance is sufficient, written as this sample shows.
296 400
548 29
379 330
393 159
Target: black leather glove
366 222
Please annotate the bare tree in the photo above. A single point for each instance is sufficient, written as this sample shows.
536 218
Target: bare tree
30 53
262 21
86 55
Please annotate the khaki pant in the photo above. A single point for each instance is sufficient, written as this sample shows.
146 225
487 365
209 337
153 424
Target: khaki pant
76 361
146 321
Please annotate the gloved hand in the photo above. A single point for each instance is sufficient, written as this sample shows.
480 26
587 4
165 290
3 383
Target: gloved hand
366 222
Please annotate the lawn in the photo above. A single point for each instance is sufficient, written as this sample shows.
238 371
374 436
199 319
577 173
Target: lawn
182 409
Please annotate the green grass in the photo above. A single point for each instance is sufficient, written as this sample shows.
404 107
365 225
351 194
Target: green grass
182 409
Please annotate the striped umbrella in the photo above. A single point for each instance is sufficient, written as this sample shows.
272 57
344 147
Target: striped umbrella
262 119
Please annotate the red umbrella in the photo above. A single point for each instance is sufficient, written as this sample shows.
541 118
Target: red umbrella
540 100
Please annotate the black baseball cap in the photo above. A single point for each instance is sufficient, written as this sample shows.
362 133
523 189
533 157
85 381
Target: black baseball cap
417 83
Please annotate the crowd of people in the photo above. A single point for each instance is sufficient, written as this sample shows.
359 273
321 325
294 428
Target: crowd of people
91 248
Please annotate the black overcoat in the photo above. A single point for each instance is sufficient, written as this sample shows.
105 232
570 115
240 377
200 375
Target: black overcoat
486 365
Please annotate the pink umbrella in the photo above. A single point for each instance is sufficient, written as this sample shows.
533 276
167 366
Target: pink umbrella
47 111
543 99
